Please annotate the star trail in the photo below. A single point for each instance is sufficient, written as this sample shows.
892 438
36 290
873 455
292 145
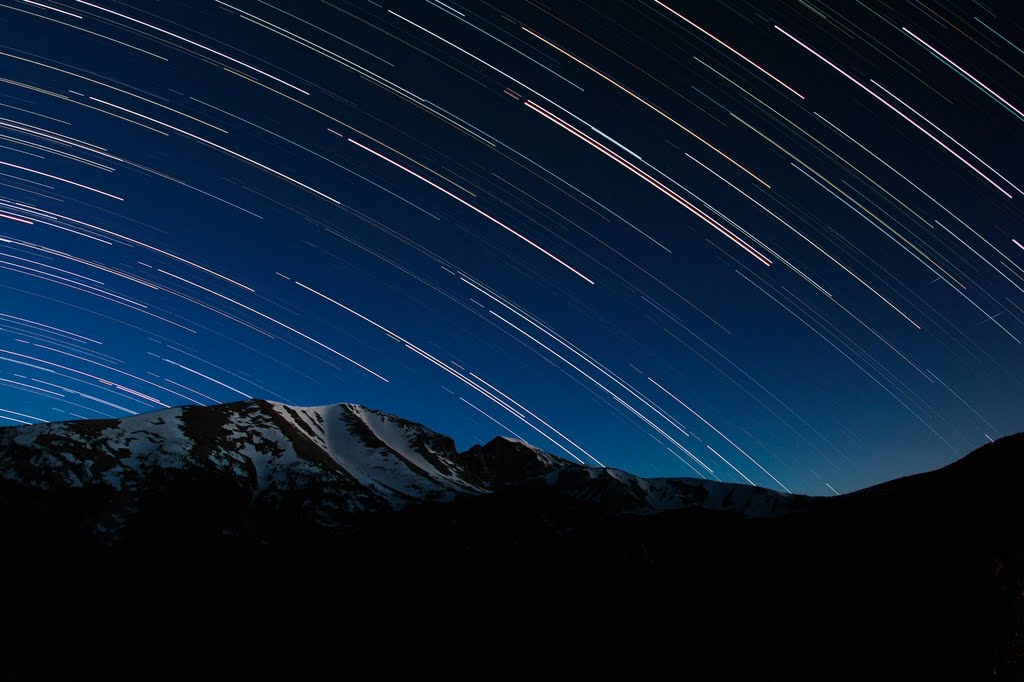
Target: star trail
779 243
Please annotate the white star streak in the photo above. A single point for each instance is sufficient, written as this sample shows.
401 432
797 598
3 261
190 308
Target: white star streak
947 135
506 397
962 71
319 156
492 418
114 369
83 30
208 378
277 322
427 356
193 43
468 54
605 389
958 397
88 396
151 248
519 52
873 220
323 30
772 214
20 414
649 106
727 439
748 61
60 179
576 351
730 464
49 327
223 149
900 113
848 271
972 250
584 194
101 380
649 179
188 388
35 390
486 215
912 184
847 356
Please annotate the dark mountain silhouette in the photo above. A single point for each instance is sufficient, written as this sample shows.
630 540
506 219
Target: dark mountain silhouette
256 538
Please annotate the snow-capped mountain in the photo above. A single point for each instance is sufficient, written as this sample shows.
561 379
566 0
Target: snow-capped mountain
328 461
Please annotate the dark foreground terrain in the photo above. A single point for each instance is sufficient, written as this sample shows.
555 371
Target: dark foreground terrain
920 578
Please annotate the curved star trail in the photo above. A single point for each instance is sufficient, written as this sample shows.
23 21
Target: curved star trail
777 243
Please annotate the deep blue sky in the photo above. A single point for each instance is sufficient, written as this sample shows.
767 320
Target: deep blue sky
501 189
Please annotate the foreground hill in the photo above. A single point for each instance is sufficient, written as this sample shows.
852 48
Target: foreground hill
259 539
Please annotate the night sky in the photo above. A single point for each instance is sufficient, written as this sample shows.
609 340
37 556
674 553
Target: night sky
775 242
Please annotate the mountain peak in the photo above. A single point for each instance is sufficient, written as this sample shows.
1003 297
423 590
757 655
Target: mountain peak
504 461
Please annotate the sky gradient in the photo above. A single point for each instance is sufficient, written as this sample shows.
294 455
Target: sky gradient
776 243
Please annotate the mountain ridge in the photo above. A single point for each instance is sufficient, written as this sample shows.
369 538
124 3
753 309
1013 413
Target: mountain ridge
332 460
